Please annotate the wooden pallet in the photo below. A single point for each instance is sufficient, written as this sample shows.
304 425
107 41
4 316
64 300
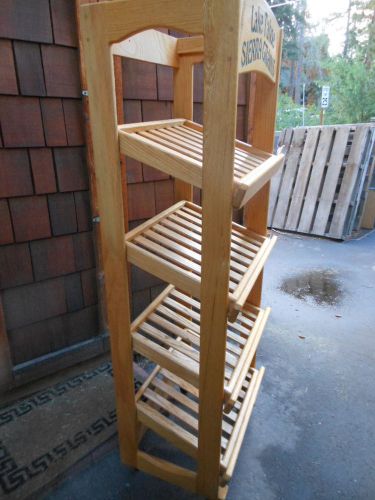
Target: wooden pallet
176 148
169 246
318 191
168 333
169 406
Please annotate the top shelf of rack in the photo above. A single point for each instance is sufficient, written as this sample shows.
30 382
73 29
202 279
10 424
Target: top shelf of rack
176 148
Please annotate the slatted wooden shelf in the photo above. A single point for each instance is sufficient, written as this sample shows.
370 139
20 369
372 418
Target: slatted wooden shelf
172 321
169 406
169 247
176 148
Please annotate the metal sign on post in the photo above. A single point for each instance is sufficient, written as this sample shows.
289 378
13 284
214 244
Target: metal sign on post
325 97
324 102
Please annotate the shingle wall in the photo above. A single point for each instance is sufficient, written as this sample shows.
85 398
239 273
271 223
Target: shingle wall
47 264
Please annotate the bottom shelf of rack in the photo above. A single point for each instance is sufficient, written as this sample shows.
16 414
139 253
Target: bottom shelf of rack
169 406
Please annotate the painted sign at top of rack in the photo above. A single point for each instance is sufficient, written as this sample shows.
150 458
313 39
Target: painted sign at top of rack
259 37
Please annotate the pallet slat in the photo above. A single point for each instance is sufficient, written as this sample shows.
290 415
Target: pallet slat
176 148
331 179
320 161
348 181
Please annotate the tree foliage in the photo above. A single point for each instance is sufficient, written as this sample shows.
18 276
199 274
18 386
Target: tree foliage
290 114
350 75
352 91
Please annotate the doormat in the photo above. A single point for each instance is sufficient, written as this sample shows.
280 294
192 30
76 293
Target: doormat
45 434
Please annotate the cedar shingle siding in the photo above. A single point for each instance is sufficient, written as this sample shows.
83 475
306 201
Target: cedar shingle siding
47 260
47 266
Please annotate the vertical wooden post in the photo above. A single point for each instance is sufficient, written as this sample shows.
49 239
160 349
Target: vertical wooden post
321 116
117 61
261 135
101 88
103 323
6 374
183 108
220 100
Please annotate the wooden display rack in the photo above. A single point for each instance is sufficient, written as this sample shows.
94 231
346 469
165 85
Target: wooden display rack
203 330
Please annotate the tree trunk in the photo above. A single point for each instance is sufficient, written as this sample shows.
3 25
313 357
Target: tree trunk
347 32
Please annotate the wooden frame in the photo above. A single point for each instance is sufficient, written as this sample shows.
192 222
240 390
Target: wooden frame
184 239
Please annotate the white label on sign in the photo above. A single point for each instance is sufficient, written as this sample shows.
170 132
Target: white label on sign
325 96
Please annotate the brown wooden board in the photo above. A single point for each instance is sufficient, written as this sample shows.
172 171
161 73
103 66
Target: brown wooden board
286 187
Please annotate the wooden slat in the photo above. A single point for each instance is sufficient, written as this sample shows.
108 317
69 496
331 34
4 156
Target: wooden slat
167 429
187 348
160 137
142 227
180 382
232 452
243 290
315 182
146 312
302 178
176 394
163 270
362 185
348 182
183 107
285 139
172 409
288 179
330 182
137 127
368 216
252 182
183 368
242 368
